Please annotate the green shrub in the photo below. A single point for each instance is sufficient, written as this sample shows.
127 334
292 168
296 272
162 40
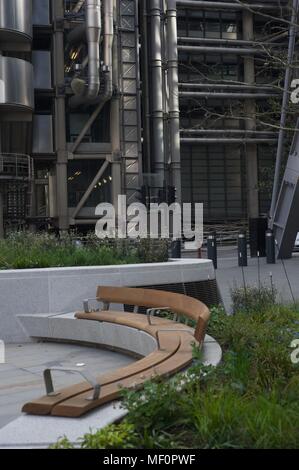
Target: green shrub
23 250
253 298
121 436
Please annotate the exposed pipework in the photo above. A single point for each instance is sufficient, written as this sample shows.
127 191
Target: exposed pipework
108 49
157 83
225 5
93 33
229 131
225 86
108 85
227 42
221 50
226 140
213 94
174 108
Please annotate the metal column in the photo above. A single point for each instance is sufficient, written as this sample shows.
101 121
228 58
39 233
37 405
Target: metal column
1 216
115 119
157 110
250 123
286 220
285 106
174 107
60 124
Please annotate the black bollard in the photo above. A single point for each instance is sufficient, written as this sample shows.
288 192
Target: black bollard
242 249
176 249
270 247
212 249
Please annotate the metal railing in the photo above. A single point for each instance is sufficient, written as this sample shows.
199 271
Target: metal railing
15 166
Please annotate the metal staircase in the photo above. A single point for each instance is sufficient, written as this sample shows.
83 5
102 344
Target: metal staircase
130 97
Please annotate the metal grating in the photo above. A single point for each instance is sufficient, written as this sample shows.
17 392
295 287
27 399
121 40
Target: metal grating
205 291
130 97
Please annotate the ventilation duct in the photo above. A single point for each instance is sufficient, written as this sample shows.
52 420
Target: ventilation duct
93 29
77 83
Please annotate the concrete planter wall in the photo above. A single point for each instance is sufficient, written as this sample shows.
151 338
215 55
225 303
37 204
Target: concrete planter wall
61 290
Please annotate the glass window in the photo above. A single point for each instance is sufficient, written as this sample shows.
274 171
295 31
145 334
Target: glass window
80 174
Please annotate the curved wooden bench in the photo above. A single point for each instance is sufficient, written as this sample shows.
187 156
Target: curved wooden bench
174 351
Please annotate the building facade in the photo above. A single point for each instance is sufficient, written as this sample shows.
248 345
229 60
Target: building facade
106 97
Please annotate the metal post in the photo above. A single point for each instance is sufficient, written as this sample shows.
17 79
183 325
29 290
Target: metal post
212 249
242 249
284 109
1 216
250 123
176 249
174 107
115 120
60 124
270 247
1 195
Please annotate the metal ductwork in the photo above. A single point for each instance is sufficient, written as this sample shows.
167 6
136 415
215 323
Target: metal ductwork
16 95
106 95
92 30
107 88
93 33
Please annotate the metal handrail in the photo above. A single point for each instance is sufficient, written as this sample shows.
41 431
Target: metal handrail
20 166
85 374
152 311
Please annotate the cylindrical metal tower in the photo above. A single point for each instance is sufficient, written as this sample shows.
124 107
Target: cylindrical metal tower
16 106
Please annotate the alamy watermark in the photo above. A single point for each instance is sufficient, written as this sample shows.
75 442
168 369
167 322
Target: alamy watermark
134 221
295 353
2 352
295 92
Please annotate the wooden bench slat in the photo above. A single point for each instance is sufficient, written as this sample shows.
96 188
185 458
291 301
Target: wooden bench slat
80 405
170 345
179 303
176 353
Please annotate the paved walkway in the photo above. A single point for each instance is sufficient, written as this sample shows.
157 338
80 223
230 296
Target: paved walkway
21 377
230 275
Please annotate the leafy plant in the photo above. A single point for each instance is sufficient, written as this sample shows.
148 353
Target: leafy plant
24 250
253 298
121 436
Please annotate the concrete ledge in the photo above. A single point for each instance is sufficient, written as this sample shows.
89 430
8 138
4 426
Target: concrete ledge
67 329
39 432
61 290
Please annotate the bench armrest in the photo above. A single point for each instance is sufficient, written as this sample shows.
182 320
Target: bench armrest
153 311
85 374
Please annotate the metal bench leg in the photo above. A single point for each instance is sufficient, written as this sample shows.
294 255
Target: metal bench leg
85 374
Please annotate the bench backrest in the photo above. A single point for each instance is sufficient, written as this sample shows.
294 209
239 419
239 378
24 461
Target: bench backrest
177 303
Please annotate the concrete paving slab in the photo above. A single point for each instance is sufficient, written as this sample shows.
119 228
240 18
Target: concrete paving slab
21 377
42 431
